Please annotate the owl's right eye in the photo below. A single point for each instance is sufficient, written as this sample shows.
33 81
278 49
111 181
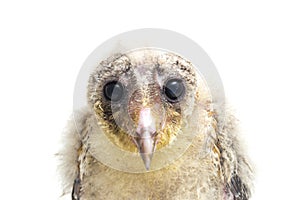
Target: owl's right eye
113 91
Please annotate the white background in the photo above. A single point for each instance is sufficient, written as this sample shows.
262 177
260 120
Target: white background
254 44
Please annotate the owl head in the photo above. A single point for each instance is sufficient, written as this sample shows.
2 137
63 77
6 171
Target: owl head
148 100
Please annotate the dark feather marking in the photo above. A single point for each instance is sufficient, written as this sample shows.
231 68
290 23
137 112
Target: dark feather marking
76 189
237 188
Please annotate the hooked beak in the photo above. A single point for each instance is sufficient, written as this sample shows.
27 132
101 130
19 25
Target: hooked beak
145 138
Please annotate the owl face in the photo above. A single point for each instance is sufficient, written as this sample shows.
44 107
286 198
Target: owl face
142 100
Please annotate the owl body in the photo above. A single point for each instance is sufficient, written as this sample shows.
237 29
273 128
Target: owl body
211 164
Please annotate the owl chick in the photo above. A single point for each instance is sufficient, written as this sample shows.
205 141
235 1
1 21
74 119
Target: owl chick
152 131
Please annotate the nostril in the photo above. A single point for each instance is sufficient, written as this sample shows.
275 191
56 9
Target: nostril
146 121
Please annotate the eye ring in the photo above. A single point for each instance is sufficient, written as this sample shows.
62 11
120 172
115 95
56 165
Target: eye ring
113 91
174 90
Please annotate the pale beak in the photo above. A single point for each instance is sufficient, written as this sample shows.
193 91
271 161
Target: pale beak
145 138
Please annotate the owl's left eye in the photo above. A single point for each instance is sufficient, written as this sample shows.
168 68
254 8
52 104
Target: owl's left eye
174 90
113 91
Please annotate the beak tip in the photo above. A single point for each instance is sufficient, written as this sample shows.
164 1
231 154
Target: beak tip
147 168
147 161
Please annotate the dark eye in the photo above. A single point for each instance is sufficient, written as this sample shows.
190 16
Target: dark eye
113 91
174 89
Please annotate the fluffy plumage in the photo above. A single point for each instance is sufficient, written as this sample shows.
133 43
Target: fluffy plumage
210 163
